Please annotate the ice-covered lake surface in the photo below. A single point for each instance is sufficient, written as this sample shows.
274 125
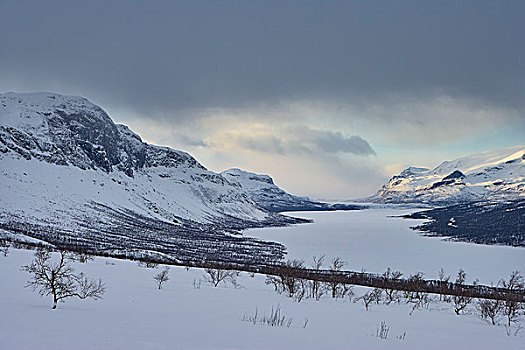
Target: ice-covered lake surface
375 239
191 314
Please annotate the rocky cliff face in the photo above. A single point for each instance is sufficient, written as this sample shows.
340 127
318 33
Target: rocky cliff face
66 130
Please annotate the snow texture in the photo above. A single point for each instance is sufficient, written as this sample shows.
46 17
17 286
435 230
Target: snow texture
491 175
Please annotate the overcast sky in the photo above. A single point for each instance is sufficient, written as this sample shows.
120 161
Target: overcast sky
330 98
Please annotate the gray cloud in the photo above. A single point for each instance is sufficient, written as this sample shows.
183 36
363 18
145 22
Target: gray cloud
266 144
161 57
442 78
291 140
332 142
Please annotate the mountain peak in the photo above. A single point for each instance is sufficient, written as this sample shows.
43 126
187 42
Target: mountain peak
70 130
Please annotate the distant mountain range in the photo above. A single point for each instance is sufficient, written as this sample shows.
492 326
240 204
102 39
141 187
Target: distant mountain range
264 192
487 176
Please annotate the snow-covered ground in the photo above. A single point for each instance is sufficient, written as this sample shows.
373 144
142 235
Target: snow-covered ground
134 314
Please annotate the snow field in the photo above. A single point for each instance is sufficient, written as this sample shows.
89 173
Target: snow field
134 314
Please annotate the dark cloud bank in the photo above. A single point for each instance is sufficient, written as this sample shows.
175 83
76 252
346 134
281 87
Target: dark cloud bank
303 140
167 57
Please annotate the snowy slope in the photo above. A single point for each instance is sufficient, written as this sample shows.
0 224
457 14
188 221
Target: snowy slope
68 170
492 175
263 191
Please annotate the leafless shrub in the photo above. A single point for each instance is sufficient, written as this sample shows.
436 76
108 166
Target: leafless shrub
305 322
490 309
162 277
382 330
391 294
82 257
512 310
511 331
274 319
287 281
377 294
461 301
336 288
422 302
197 283
368 298
216 276
147 264
316 288
415 283
443 279
59 280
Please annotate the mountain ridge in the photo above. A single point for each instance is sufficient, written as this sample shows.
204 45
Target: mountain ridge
262 189
491 175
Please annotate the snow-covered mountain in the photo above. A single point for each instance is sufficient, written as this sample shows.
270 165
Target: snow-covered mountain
268 195
491 175
69 174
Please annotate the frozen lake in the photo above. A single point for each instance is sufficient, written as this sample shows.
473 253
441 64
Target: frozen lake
374 240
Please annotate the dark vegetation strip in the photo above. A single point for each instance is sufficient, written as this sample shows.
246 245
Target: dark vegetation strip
478 222
330 276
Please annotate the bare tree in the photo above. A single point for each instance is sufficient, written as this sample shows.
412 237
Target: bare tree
490 309
377 294
216 276
59 280
443 281
515 285
461 301
367 299
415 285
162 277
337 289
422 302
287 280
391 293
316 287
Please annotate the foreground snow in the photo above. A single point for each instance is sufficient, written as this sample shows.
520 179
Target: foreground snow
136 315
